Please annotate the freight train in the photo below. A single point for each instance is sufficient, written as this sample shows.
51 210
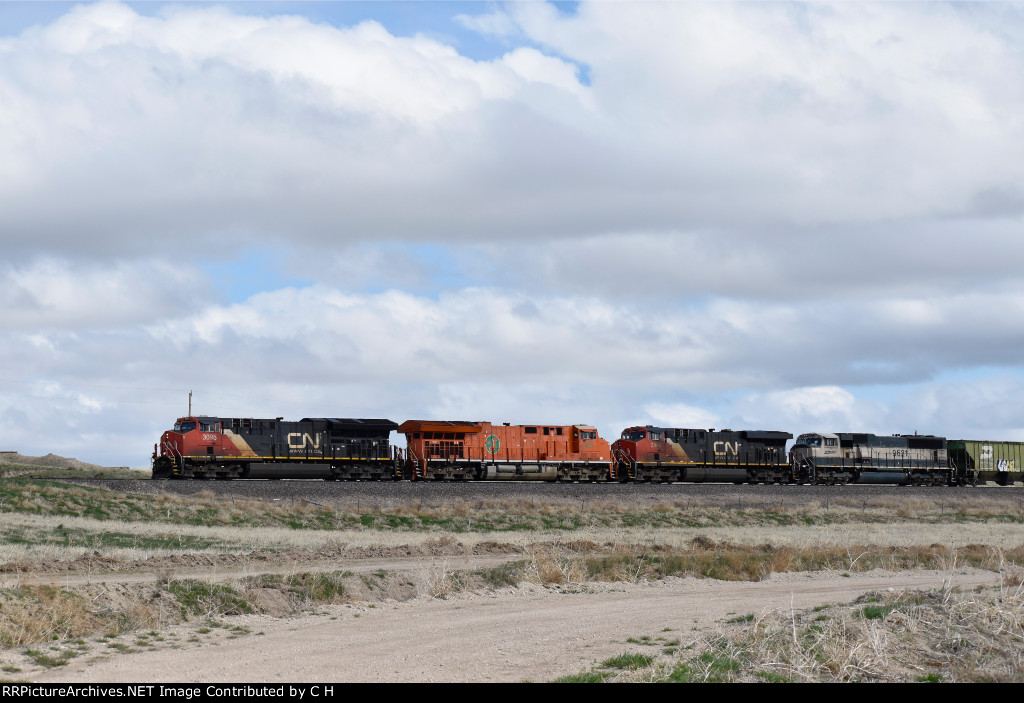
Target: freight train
203 447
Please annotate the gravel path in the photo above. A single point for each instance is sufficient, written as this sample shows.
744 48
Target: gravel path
530 633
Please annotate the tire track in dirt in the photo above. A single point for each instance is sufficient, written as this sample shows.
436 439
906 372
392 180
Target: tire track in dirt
514 634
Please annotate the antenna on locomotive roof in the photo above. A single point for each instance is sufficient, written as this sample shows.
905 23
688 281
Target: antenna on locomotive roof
190 403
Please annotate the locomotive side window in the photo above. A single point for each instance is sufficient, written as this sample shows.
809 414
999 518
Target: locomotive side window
830 442
588 435
654 436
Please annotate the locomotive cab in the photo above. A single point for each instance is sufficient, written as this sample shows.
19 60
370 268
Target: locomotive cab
813 444
639 444
189 437
583 442
810 450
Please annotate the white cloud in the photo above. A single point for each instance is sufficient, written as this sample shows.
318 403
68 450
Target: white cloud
815 408
55 293
487 354
697 117
681 415
496 23
754 214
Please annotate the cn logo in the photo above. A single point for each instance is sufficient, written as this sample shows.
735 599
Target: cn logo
492 443
726 447
299 440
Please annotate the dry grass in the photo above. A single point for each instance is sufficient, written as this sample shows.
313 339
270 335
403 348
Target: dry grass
582 561
33 614
884 637
26 538
440 580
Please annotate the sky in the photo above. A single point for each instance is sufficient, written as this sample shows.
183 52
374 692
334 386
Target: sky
780 216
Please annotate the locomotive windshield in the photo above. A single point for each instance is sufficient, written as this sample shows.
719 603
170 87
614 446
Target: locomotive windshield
634 435
184 426
811 441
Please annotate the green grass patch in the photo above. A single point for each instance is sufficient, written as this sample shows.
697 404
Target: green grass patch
628 660
681 673
583 677
773 677
207 599
749 617
876 612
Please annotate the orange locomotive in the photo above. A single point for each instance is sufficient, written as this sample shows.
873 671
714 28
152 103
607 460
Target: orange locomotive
440 451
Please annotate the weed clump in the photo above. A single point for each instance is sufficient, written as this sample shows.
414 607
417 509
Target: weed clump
205 599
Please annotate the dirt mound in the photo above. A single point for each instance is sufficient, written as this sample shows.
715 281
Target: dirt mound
50 460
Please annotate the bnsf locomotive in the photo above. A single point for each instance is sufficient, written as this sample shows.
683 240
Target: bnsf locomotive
359 449
918 460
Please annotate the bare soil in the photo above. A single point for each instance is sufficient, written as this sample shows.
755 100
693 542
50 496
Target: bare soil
524 633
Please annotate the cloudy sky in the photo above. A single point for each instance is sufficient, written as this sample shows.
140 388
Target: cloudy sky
758 216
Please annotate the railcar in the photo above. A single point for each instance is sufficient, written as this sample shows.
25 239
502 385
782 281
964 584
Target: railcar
203 447
977 461
461 450
667 454
850 457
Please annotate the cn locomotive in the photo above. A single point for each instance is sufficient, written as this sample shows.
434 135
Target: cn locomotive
235 447
203 447
479 450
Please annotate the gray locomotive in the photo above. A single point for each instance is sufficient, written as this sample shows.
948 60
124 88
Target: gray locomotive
851 457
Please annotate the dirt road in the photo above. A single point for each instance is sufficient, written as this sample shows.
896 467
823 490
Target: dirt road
514 634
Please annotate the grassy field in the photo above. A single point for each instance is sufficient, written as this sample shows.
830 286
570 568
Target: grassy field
48 526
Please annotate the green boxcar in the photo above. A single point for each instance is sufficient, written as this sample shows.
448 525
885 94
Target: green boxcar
980 460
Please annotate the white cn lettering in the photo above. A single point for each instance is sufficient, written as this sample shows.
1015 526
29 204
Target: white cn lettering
298 440
726 448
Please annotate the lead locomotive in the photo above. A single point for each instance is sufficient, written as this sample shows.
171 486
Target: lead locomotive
242 447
